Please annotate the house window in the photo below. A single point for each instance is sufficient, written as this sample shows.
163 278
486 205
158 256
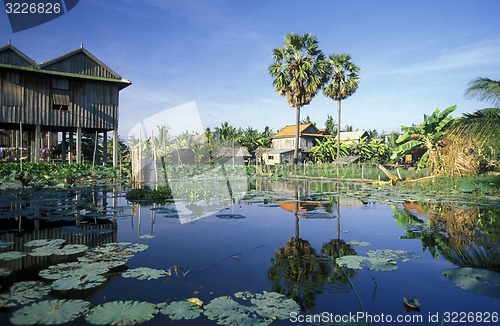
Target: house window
270 157
60 94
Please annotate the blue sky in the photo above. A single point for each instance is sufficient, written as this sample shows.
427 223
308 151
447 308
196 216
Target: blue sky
415 56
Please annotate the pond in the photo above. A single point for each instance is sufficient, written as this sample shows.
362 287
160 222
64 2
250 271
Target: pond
301 252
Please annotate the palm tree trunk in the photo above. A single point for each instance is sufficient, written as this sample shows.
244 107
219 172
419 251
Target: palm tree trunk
297 131
338 132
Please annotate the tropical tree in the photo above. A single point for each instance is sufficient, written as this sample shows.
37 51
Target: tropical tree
225 131
430 135
330 125
343 83
484 89
299 71
325 150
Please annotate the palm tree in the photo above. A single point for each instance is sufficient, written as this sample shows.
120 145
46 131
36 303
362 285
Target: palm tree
299 71
484 89
344 82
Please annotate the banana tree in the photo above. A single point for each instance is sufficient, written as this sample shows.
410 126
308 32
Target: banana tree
326 150
429 135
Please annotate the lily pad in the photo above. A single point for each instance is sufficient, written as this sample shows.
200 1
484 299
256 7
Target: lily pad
144 273
122 313
11 255
147 236
403 255
64 251
359 243
6 244
351 261
45 242
76 269
476 280
22 293
81 282
50 312
180 310
264 309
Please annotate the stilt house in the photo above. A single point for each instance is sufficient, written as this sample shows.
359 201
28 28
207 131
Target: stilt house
71 94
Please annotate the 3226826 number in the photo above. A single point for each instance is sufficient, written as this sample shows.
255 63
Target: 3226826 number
32 8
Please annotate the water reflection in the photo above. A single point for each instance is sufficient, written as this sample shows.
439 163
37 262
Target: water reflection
298 271
466 236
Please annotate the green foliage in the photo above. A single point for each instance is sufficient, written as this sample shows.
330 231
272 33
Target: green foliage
160 195
65 175
428 135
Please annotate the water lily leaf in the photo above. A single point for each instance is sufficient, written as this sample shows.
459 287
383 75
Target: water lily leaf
382 264
24 293
273 305
81 282
264 309
45 242
77 269
351 261
180 310
122 313
476 280
64 251
402 255
50 312
6 244
147 236
144 273
11 255
359 243
413 304
4 271
225 311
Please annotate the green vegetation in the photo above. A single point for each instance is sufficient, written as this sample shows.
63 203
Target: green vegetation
58 175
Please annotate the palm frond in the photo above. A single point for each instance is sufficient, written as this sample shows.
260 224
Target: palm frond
484 89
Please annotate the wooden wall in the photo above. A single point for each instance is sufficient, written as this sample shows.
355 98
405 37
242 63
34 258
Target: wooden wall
53 101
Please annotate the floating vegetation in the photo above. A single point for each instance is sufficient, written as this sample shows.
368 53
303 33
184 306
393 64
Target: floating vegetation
147 236
359 243
264 309
383 260
50 312
114 254
480 281
74 269
144 273
178 310
46 243
80 282
122 313
12 255
316 215
403 255
5 271
64 251
351 261
6 244
22 293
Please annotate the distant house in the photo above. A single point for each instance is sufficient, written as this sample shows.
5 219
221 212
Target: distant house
71 94
283 143
353 136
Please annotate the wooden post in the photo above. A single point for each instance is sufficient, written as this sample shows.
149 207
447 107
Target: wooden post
115 147
64 148
37 143
71 146
78 145
105 148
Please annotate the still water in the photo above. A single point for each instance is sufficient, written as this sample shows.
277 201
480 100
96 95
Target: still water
295 238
